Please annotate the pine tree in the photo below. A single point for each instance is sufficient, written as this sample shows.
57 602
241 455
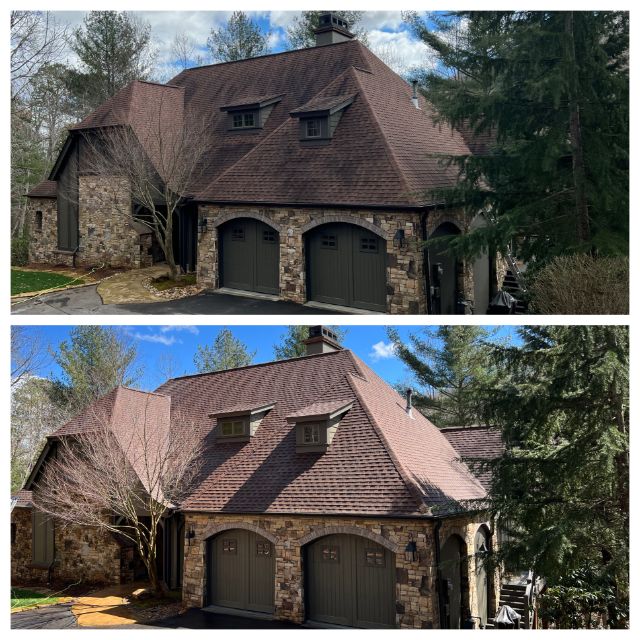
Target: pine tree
561 489
301 33
548 95
292 341
226 352
238 39
451 366
114 48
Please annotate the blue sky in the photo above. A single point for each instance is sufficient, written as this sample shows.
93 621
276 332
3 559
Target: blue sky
386 33
175 345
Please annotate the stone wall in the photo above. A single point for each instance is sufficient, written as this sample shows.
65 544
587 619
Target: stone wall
416 594
81 553
43 241
405 273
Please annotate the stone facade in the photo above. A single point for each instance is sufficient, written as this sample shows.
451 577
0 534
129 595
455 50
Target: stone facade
416 593
81 553
107 234
405 273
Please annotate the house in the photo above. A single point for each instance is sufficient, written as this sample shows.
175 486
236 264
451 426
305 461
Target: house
314 187
324 498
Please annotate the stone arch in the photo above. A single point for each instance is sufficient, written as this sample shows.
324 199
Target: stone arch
346 218
214 529
232 215
349 529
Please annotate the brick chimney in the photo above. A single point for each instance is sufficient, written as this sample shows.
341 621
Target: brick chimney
332 29
321 340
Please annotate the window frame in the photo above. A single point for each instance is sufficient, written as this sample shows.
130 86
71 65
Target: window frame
232 423
241 116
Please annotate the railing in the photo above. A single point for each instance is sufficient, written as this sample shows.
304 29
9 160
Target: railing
515 269
529 600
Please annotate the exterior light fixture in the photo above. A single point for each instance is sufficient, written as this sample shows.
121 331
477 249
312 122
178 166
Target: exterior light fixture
398 238
202 225
189 535
411 551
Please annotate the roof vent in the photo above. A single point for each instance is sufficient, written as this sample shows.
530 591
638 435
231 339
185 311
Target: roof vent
321 340
414 97
409 408
332 29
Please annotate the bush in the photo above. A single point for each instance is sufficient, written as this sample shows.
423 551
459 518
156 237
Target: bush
581 284
20 250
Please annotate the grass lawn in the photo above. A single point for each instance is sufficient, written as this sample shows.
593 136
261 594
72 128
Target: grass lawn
23 281
165 282
25 598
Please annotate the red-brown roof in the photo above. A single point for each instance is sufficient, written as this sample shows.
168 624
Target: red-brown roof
476 443
384 151
22 498
44 189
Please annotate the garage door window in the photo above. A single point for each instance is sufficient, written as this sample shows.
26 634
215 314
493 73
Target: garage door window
369 245
230 546
268 235
237 234
374 558
329 241
330 554
263 548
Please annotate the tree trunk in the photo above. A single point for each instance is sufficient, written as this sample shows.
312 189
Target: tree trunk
583 232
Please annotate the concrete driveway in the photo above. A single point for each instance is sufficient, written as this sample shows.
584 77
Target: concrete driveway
86 301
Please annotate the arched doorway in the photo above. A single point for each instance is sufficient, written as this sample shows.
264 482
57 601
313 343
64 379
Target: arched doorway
481 549
346 266
241 571
350 581
446 272
249 256
453 582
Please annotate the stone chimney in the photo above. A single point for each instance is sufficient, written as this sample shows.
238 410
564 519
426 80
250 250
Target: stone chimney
332 29
321 340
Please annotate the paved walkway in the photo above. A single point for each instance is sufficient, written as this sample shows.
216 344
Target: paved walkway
86 301
126 287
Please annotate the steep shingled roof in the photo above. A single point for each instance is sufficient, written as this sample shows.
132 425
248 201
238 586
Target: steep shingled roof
44 189
384 151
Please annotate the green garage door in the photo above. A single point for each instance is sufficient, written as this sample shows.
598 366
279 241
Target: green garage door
346 266
350 582
241 571
249 256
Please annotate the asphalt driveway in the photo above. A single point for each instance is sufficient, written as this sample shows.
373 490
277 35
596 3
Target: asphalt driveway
86 301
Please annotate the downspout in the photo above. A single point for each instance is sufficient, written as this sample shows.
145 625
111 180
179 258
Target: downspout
427 265
436 536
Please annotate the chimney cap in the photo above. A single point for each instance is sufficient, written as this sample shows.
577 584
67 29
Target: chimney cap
332 29
321 340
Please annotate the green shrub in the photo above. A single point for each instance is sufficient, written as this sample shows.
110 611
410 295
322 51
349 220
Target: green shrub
20 250
581 284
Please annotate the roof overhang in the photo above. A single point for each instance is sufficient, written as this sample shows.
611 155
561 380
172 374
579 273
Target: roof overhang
253 103
309 415
319 111
232 412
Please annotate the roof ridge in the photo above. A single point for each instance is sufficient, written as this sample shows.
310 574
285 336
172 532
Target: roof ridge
390 152
400 468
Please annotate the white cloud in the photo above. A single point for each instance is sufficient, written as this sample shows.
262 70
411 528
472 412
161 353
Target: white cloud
157 338
382 351
188 328
381 20
400 50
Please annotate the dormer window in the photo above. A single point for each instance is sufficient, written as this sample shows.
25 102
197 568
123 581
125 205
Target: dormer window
250 112
239 423
320 116
316 425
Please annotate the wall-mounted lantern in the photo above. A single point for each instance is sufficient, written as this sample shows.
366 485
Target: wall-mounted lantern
411 551
398 239
189 535
202 226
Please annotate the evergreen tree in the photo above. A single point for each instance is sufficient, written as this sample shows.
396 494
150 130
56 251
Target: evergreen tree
547 93
561 489
114 48
292 341
451 366
301 33
94 361
226 352
238 39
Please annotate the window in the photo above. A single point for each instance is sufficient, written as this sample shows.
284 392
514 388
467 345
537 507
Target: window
311 433
269 235
330 554
42 538
13 532
232 428
313 128
263 548
369 245
329 241
244 120
374 558
237 234
229 545
38 221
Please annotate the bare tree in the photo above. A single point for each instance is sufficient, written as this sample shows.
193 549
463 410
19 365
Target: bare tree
36 39
124 474
159 162
27 353
184 50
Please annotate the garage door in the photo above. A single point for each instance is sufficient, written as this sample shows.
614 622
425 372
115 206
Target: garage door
350 582
241 571
249 256
347 266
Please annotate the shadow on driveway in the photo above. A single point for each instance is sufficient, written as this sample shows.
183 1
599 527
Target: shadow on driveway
199 619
